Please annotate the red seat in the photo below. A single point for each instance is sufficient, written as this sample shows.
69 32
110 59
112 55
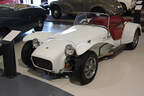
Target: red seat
99 21
116 27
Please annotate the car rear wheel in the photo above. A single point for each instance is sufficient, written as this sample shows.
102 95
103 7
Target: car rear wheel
39 25
56 12
87 69
134 44
26 53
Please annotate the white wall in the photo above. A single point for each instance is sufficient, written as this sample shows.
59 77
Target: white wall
27 1
35 2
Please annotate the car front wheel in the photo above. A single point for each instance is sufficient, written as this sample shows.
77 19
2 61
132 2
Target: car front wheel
26 53
87 69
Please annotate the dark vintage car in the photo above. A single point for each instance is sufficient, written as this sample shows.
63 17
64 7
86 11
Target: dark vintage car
77 6
21 17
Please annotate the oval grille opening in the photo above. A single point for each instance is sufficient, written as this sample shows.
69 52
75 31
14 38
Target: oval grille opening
42 63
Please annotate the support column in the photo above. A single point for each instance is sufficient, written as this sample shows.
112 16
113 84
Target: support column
9 59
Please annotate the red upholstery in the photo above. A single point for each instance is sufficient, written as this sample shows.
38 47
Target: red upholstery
99 21
116 28
116 33
116 25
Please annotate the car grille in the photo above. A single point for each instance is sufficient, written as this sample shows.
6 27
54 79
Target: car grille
42 63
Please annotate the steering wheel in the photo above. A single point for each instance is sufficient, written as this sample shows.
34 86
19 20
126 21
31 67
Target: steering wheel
84 21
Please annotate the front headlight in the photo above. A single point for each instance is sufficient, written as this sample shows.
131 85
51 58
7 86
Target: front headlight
69 50
36 43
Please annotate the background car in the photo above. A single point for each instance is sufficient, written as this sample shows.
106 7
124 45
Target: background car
21 17
128 4
76 6
76 51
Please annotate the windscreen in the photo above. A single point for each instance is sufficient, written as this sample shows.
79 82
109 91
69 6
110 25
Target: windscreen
92 19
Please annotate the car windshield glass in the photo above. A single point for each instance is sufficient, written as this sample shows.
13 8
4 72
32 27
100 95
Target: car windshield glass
97 19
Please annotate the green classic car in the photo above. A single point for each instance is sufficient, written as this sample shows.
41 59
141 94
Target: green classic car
77 6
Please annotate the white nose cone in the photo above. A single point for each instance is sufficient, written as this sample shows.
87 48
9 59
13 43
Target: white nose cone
53 51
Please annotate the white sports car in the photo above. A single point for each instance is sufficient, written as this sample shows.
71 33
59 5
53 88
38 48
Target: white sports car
77 50
128 4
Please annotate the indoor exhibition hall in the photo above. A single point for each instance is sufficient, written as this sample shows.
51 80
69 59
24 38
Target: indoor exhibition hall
71 48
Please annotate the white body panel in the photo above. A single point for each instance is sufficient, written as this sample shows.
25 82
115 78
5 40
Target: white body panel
129 3
83 33
52 50
128 32
82 37
41 36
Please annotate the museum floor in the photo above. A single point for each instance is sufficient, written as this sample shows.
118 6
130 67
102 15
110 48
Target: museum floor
120 76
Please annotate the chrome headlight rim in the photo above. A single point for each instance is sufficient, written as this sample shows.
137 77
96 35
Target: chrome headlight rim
35 43
69 50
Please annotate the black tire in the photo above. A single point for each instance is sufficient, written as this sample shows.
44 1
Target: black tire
56 12
26 52
39 25
133 45
98 9
79 74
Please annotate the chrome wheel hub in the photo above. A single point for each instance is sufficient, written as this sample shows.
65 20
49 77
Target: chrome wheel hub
55 13
90 67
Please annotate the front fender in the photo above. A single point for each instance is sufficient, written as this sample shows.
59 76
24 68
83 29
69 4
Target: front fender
93 46
126 2
83 47
129 31
41 36
111 9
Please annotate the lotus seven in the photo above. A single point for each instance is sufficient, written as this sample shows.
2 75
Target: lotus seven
77 50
